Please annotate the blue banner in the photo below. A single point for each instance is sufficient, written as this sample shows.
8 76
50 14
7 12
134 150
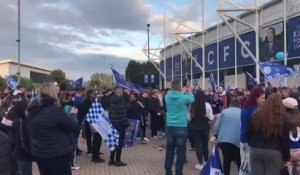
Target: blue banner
243 57
226 53
169 67
78 83
276 71
211 57
293 37
197 54
177 65
131 132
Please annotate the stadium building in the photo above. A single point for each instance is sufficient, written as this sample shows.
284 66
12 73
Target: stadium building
226 58
35 73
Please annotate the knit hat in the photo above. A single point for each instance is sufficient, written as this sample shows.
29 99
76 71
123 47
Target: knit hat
290 103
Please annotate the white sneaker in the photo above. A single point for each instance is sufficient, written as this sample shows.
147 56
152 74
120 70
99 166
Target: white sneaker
155 137
147 140
199 166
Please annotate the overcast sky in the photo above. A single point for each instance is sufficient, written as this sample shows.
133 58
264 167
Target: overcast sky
82 37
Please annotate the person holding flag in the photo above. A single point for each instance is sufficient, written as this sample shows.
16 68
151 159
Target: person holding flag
118 116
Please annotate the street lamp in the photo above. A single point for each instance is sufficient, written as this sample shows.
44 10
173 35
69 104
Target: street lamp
148 32
19 40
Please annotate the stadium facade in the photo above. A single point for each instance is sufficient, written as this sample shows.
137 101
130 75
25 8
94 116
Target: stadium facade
226 59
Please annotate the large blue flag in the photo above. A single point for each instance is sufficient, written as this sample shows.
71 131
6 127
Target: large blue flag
11 83
119 79
98 119
78 83
276 71
213 166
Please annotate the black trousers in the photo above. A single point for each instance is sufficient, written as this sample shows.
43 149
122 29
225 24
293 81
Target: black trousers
97 139
161 123
230 153
88 135
116 154
154 121
200 138
55 166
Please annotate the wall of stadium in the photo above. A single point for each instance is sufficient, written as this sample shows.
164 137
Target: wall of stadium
223 51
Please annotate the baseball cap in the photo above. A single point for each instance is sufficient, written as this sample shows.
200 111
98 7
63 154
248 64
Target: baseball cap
290 103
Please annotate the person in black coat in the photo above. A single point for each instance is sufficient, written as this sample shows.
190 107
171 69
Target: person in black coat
154 109
93 140
118 116
21 138
145 101
51 132
5 154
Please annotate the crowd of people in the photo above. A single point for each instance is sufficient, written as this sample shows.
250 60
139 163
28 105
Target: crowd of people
257 129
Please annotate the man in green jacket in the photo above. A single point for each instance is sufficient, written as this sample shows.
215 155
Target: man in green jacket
177 104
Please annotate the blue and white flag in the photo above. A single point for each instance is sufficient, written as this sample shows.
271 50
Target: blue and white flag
213 166
11 83
119 80
276 71
98 119
78 83
212 81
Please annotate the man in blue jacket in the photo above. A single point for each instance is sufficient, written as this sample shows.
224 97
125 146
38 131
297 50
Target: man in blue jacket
177 110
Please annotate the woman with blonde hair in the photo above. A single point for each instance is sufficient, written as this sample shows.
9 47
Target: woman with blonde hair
268 138
51 132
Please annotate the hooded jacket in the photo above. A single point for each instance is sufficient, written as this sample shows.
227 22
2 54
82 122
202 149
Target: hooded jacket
51 130
177 108
118 109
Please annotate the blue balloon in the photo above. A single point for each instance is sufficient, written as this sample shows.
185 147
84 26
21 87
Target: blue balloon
280 56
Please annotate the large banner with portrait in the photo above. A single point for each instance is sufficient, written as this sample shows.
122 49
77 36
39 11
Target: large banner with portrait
132 132
271 41
293 37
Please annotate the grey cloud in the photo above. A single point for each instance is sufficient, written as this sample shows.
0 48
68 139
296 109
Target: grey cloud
129 42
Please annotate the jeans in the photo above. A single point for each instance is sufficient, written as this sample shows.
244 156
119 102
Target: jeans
116 154
176 140
24 167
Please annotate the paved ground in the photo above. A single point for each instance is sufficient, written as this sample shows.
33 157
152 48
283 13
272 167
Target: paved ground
141 160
